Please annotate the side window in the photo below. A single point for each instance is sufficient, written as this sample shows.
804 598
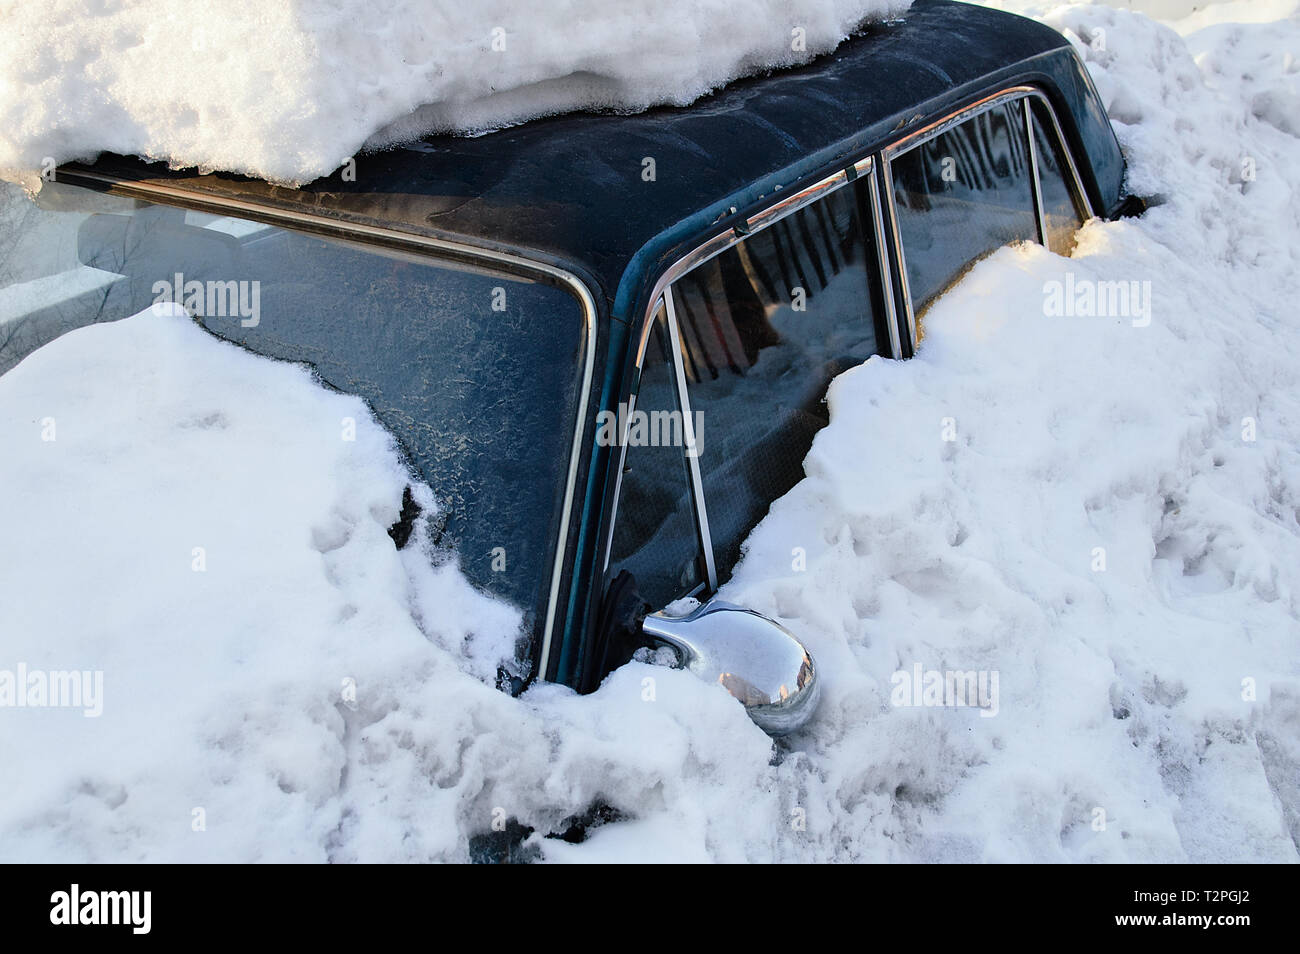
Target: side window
960 196
764 327
1059 208
655 535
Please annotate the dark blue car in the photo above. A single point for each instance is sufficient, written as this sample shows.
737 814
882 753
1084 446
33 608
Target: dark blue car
605 341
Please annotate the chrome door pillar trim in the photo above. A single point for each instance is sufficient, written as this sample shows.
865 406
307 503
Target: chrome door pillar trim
895 239
1035 183
313 222
866 170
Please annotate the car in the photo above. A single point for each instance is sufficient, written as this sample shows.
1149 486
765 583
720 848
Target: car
604 341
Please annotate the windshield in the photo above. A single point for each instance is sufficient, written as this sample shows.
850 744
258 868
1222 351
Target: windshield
475 372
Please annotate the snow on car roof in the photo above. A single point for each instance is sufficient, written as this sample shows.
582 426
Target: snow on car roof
573 188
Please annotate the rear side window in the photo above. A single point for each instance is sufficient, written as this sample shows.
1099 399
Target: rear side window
764 328
960 196
1060 211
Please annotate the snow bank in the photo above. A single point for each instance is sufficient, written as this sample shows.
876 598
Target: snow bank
1114 530
266 677
189 523
1147 711
287 90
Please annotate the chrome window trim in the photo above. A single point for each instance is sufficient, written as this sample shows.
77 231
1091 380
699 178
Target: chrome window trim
904 286
956 118
314 222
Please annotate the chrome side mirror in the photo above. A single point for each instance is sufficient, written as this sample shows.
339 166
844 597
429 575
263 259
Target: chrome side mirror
754 658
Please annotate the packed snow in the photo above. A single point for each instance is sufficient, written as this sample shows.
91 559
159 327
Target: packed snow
288 90
1104 513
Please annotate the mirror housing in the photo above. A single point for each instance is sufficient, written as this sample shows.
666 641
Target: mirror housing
754 658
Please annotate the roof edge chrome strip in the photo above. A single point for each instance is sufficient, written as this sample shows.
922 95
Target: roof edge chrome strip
956 118
568 279
777 211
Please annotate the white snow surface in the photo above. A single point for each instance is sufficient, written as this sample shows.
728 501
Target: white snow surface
287 90
1124 730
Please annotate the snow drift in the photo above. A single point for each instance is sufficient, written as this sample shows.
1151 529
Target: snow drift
1113 528
287 90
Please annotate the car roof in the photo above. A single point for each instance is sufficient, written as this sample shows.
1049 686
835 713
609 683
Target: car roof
569 189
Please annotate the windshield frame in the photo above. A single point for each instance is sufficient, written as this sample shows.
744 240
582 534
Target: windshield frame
436 250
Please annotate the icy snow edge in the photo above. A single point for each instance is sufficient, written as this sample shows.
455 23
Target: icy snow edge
287 90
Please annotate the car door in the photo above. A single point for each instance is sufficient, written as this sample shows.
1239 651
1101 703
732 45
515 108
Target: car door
744 342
